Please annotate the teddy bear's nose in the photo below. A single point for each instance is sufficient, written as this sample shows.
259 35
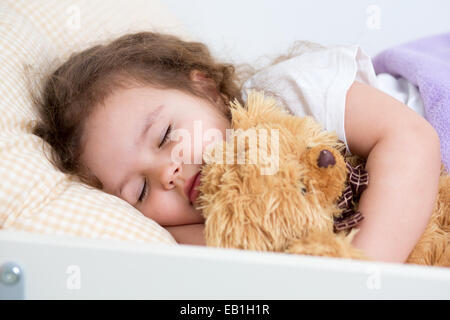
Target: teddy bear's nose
325 159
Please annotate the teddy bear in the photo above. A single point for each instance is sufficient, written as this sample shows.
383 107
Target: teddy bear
281 183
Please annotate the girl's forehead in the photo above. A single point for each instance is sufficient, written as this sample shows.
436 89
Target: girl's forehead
112 130
124 105
107 150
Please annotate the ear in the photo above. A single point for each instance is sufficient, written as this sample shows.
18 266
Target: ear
205 84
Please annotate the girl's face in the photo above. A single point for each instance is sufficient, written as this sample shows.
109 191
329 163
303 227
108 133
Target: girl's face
128 148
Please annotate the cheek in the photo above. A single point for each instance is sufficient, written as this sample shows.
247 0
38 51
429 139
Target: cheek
167 208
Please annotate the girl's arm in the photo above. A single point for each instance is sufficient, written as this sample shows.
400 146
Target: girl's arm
403 162
188 234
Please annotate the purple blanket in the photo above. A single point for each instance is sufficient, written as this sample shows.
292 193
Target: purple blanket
425 63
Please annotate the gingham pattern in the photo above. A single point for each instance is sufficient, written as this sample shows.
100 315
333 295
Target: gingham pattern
34 196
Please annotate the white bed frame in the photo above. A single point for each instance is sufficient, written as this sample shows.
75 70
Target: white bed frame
34 266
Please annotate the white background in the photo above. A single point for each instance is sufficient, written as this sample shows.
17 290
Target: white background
243 30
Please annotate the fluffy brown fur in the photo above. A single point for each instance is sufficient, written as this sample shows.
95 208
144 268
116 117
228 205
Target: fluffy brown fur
292 209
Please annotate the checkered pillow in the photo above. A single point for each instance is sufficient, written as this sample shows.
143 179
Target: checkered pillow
34 196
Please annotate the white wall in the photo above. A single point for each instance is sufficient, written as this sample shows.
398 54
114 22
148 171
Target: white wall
243 30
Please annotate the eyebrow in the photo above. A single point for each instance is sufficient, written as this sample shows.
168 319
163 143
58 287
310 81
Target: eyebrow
149 120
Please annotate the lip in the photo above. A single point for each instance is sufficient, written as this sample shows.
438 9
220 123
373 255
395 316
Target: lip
189 188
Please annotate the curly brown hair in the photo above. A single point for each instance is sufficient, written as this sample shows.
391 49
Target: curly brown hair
71 92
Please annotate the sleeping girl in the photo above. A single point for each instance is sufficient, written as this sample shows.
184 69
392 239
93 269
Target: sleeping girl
109 113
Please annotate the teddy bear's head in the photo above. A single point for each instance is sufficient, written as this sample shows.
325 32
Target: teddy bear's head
276 178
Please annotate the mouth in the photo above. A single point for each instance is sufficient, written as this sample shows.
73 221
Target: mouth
191 185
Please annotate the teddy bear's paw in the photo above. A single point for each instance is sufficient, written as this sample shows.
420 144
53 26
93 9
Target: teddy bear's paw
431 253
322 243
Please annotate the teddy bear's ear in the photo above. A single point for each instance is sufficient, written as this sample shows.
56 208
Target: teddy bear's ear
258 109
312 131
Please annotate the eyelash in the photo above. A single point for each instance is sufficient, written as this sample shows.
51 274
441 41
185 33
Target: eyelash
144 191
166 136
145 188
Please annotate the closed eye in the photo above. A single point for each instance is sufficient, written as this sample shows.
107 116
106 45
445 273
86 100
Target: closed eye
144 191
166 136
145 187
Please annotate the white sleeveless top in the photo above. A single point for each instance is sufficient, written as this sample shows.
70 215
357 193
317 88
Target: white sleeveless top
316 82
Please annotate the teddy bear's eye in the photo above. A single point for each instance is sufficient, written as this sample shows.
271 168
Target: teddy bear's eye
301 186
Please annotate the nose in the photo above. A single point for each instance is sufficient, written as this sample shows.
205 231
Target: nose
326 159
169 175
